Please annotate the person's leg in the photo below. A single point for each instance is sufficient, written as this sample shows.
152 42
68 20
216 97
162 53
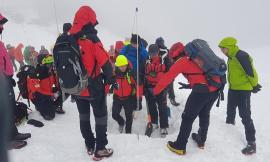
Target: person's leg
245 114
231 106
194 105
116 109
152 106
204 117
85 126
162 108
129 106
100 112
14 64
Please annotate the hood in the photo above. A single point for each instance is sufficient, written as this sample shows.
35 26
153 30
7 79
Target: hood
230 44
3 20
85 15
20 46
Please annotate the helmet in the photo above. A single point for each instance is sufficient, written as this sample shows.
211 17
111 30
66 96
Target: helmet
176 49
47 60
121 60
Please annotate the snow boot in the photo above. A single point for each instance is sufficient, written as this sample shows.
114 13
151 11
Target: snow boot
22 136
163 132
174 103
121 128
196 137
90 150
172 147
16 144
101 154
249 149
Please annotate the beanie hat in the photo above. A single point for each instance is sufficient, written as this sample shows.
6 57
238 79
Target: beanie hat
153 50
134 40
67 27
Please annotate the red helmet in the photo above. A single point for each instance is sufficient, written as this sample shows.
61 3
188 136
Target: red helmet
176 49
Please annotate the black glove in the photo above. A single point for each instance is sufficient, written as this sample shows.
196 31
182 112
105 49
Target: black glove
257 88
113 86
183 85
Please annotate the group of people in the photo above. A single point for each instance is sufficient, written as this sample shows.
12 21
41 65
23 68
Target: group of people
129 72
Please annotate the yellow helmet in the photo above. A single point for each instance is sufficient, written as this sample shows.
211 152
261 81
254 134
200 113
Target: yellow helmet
47 60
121 60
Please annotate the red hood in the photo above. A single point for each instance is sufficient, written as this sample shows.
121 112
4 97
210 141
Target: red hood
85 15
20 46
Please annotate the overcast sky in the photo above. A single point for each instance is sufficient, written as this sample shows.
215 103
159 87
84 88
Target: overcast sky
175 20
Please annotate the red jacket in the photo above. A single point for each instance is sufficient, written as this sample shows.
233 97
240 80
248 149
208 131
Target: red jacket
185 66
126 84
154 71
43 86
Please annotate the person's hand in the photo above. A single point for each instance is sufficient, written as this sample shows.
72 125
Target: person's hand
183 85
256 89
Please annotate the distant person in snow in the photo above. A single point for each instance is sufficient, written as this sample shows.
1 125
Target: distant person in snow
16 139
44 90
96 62
43 51
243 80
164 53
19 54
11 54
199 102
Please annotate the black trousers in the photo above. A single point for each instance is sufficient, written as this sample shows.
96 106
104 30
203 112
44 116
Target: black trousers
198 104
129 105
171 91
99 107
46 105
158 109
241 99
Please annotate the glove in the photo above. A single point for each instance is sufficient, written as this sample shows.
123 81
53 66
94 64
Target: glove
183 85
113 86
55 95
257 88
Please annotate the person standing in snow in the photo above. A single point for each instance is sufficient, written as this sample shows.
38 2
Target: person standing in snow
157 104
11 54
130 51
199 102
243 80
124 95
19 55
164 53
94 59
16 139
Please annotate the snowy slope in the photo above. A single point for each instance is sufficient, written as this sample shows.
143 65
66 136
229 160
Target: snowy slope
60 140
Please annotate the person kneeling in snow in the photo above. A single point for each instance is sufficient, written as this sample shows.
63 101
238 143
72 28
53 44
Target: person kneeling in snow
199 102
124 94
43 91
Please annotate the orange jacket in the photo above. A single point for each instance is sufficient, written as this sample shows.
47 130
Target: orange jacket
18 53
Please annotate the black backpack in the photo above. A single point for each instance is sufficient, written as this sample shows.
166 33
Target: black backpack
25 71
199 52
68 64
20 112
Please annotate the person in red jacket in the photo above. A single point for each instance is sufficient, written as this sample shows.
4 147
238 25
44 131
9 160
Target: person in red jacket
19 54
42 89
199 102
11 53
94 59
157 104
124 94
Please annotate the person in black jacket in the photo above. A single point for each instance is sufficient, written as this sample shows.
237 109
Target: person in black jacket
163 52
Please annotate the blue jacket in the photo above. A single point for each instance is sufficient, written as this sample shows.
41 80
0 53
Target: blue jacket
131 54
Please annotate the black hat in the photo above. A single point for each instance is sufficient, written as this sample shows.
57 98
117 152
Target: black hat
153 49
133 39
160 42
66 27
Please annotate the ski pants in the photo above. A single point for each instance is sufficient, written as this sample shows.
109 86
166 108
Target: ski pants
241 99
158 109
171 91
129 105
198 104
99 107
45 104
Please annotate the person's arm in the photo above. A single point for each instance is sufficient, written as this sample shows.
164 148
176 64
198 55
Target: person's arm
168 77
245 62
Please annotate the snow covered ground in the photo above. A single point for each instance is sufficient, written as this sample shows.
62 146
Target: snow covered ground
60 140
